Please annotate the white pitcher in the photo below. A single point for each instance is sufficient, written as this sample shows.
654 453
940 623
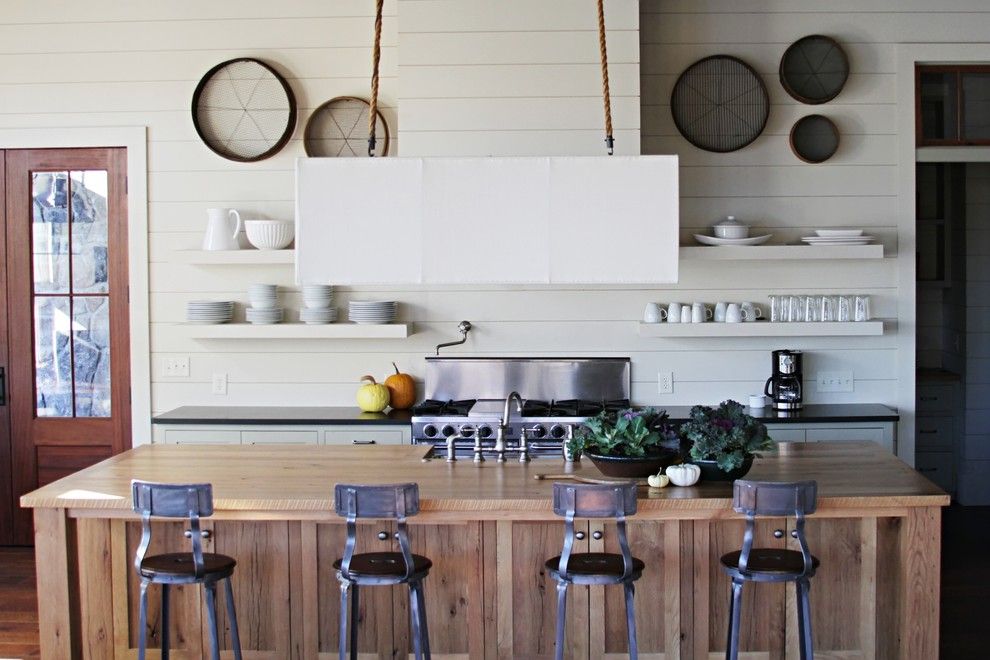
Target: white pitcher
218 234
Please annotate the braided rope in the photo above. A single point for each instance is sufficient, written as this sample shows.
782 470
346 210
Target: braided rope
606 98
376 56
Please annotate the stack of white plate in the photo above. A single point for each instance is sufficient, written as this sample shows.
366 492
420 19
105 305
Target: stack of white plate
318 316
264 316
838 237
371 311
317 296
209 311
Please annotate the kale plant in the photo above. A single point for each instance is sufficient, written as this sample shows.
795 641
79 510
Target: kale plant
726 435
633 433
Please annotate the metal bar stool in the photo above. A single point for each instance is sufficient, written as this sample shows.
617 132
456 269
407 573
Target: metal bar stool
395 501
766 498
595 501
190 501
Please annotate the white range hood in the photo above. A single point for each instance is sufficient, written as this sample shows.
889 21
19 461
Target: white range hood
543 220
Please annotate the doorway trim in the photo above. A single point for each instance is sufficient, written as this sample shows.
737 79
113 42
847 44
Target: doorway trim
134 139
907 56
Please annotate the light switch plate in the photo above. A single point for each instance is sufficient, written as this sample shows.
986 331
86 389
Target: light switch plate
177 367
835 381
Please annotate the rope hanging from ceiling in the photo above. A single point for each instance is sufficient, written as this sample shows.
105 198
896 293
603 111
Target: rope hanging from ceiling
606 98
376 56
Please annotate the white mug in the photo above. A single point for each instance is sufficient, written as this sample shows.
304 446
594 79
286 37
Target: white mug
218 231
733 313
750 311
674 313
720 312
685 313
654 313
757 401
700 313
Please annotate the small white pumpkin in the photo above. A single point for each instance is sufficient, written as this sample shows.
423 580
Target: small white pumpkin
659 480
686 474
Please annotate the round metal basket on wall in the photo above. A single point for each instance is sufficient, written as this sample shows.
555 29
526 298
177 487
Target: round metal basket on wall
814 69
720 104
244 110
339 128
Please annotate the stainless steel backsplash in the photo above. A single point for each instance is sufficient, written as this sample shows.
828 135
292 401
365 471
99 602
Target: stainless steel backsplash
534 378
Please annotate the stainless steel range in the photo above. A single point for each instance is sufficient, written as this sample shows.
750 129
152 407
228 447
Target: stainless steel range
519 407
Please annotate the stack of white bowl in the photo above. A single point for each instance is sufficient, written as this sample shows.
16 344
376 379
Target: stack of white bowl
264 309
209 311
318 301
371 311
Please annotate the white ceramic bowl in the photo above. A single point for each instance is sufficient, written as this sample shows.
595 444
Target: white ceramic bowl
731 230
269 234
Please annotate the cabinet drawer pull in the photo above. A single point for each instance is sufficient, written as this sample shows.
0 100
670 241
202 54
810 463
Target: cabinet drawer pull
382 535
363 442
928 431
597 536
929 398
927 469
579 536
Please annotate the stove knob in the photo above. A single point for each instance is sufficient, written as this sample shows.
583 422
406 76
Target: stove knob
485 431
557 431
467 431
430 431
448 431
539 431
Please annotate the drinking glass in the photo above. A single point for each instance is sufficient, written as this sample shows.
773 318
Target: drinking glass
862 308
795 308
776 313
845 309
813 308
830 306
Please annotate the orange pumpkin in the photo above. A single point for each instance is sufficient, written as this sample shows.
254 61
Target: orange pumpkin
402 389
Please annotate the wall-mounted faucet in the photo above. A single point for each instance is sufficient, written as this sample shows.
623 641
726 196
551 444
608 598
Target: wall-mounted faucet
464 328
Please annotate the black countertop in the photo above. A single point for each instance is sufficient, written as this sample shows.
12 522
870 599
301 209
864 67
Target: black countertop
327 415
812 413
323 415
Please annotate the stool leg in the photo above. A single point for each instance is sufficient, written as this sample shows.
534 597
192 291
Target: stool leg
804 618
423 628
417 636
561 619
631 621
342 629
143 621
235 637
355 613
165 644
211 612
735 607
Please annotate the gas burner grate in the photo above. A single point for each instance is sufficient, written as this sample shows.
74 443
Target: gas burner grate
434 407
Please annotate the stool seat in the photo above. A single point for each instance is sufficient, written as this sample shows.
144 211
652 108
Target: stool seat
178 566
769 565
584 567
385 564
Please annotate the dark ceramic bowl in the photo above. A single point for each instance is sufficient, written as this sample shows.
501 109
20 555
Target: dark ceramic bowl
710 471
632 467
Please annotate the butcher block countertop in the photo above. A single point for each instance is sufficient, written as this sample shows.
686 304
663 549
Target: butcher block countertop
295 482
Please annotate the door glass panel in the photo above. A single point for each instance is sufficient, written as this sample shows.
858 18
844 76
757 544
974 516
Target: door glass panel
976 106
50 231
91 355
52 356
939 104
89 231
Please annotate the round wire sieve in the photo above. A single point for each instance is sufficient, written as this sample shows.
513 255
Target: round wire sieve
339 127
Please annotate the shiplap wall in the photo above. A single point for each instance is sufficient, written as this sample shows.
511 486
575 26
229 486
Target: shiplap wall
111 63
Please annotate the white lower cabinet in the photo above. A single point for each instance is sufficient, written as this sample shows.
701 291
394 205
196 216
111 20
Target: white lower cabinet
882 433
272 434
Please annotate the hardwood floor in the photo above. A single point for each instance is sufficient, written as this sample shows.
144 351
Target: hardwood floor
18 604
965 590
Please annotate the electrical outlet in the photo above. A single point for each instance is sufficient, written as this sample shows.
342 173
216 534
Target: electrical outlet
220 384
177 367
834 381
665 382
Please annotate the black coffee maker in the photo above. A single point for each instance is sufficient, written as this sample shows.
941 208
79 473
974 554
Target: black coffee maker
785 386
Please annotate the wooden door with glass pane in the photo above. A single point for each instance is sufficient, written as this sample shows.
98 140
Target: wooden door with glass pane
67 318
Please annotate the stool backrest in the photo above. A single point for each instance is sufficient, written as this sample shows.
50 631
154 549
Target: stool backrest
594 501
772 498
393 501
189 501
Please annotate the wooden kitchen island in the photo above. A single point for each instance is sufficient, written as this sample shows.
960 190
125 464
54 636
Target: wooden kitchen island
488 530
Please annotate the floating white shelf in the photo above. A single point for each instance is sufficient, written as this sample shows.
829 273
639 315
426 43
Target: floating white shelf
235 257
762 329
780 252
341 330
